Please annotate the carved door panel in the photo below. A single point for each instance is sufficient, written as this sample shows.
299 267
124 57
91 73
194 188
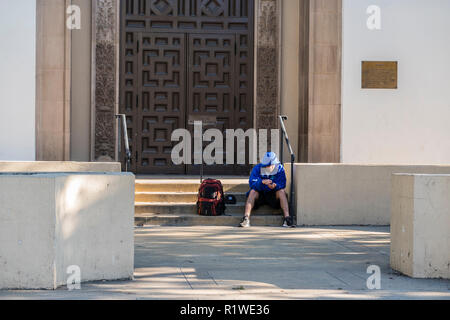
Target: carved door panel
211 87
219 87
161 100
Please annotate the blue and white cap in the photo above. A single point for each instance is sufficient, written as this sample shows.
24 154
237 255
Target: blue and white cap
269 159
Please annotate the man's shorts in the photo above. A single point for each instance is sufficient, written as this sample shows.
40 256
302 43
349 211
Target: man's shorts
268 198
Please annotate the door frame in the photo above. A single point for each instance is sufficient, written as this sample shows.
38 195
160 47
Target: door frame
106 30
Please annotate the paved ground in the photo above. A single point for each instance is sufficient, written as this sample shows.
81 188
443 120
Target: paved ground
256 263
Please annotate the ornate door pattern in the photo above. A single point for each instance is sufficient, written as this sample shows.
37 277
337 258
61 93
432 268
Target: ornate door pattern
184 59
211 83
162 106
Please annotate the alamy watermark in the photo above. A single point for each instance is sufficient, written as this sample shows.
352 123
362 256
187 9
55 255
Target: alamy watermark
190 150
73 21
374 281
374 19
74 278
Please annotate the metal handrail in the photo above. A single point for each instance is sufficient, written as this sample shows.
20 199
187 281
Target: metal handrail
123 123
286 138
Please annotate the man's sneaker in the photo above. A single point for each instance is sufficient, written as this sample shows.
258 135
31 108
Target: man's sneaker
245 222
288 223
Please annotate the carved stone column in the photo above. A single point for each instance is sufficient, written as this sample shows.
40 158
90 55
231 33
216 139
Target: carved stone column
267 96
105 76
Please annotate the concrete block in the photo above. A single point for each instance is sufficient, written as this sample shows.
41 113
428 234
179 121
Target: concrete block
50 221
420 225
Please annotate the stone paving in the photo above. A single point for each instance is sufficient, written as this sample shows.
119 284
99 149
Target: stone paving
256 263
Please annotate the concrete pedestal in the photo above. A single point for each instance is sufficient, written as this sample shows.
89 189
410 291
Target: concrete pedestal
49 222
420 225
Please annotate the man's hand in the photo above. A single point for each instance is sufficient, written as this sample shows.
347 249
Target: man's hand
269 183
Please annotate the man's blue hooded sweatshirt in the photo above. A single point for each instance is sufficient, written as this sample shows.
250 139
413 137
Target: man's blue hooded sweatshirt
256 179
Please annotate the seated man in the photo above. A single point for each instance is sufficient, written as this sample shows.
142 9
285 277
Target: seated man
267 183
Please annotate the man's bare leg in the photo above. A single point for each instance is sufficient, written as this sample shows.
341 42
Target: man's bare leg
281 195
252 197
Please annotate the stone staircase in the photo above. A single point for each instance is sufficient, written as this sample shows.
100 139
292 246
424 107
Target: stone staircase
172 202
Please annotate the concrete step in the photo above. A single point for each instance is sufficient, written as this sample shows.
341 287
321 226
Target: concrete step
187 185
167 208
196 220
164 201
177 197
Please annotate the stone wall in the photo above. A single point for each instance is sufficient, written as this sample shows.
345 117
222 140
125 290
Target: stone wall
341 194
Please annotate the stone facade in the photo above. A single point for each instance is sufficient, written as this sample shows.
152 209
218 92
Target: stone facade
319 79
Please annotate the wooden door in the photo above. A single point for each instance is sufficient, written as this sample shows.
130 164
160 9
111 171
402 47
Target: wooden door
161 101
184 60
211 88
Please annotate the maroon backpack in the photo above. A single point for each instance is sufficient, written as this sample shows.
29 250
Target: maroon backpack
211 201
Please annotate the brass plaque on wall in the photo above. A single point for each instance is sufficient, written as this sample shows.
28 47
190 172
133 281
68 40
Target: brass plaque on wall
379 74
